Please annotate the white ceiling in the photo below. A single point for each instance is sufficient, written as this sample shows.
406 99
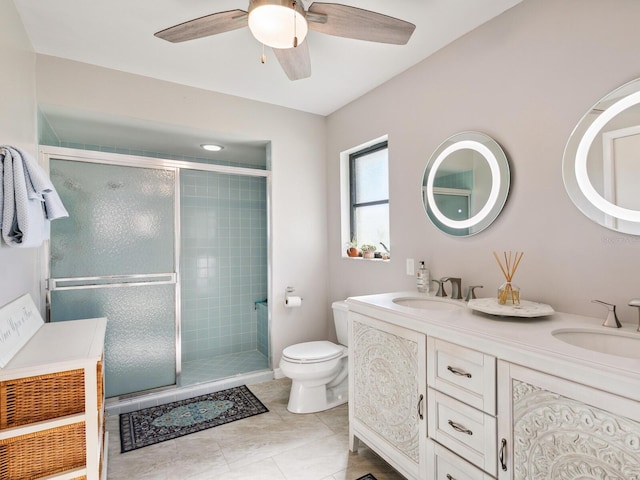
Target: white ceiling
118 34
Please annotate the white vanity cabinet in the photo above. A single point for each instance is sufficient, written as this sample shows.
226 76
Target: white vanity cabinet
505 399
461 409
552 428
387 392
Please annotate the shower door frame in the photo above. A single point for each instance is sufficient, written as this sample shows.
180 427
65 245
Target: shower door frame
108 158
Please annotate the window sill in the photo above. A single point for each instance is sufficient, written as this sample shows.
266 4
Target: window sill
367 259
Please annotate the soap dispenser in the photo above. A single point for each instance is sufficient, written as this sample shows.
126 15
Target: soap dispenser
422 278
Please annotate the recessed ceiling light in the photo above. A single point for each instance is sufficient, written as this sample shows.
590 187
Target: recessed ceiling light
212 147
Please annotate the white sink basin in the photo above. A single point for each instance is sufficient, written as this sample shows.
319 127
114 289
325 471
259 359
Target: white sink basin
427 303
611 342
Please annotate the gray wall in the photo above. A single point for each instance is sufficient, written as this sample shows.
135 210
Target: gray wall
18 267
524 78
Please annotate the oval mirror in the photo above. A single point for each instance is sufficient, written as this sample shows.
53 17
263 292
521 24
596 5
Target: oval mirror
601 162
465 184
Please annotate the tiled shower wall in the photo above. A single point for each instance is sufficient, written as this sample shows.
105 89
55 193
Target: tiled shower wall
223 262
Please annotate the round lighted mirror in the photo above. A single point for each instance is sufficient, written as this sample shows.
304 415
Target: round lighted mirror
601 163
465 184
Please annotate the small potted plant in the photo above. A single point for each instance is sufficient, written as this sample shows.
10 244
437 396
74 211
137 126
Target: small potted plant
368 251
352 249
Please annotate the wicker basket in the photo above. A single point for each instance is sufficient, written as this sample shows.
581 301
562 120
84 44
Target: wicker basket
43 397
43 453
100 375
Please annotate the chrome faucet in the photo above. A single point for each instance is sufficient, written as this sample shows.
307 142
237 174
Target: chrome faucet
471 292
441 291
636 303
456 287
612 319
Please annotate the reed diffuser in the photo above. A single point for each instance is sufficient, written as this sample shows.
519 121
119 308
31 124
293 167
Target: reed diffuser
508 293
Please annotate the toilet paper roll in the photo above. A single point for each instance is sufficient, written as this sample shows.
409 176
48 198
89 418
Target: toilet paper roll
291 302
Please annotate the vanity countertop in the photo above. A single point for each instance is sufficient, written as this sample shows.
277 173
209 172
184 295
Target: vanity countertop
522 340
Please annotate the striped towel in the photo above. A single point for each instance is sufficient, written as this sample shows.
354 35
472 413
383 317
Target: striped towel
28 199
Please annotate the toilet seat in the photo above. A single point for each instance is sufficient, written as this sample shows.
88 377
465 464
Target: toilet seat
312 352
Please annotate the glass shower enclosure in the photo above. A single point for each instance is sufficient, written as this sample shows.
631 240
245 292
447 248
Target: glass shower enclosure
173 254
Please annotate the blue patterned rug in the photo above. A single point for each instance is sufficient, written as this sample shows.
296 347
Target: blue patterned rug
157 424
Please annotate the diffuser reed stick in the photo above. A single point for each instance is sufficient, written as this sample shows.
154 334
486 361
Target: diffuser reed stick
507 293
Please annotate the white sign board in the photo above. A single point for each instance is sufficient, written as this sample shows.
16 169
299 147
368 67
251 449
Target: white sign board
19 321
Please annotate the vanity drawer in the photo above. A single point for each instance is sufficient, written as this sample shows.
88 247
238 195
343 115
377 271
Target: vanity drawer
463 429
446 465
463 373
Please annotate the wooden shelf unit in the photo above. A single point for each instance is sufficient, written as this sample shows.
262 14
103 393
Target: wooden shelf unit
52 404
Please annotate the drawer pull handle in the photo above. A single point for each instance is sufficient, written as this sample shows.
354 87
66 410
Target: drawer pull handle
460 373
449 477
503 447
459 428
420 406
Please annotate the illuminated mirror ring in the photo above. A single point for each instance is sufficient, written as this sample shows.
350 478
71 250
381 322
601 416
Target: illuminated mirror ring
495 183
465 184
582 175
600 165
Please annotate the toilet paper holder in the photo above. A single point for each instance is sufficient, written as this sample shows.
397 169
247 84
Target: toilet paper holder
291 300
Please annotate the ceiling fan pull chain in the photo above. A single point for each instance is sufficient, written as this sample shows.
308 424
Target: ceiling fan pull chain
263 57
295 33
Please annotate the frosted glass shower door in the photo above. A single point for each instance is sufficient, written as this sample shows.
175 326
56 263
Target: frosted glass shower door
115 257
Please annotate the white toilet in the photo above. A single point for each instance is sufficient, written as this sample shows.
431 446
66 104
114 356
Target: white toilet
318 370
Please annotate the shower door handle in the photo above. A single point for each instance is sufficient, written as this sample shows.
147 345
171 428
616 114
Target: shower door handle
106 281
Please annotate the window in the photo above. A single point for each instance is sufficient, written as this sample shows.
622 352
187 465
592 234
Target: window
369 195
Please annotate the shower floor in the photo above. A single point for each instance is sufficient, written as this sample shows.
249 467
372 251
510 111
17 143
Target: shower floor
215 368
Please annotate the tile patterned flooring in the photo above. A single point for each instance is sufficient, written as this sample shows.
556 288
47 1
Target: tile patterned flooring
277 445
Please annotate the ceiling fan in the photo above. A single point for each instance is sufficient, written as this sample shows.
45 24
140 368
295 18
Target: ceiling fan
283 25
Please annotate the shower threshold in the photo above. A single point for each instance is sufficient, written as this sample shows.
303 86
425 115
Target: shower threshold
238 369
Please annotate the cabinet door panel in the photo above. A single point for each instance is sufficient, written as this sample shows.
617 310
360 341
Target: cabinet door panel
387 375
559 429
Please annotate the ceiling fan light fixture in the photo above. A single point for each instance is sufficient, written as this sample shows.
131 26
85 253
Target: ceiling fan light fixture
276 23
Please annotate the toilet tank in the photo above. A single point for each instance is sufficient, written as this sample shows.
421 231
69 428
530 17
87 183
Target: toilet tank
340 318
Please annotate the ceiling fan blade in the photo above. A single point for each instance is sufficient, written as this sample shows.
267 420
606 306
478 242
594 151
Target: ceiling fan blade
205 26
351 22
295 61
